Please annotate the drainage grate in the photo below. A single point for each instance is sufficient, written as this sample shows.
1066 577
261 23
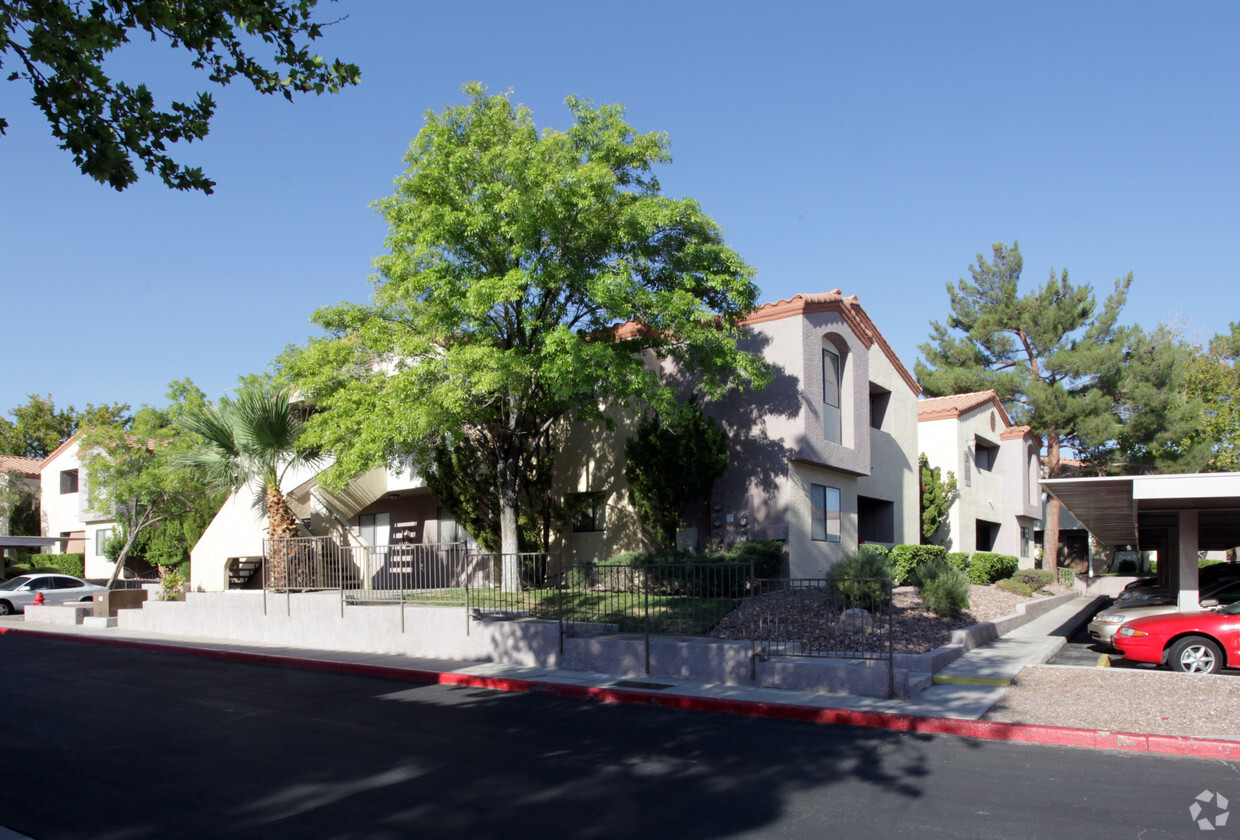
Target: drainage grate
648 685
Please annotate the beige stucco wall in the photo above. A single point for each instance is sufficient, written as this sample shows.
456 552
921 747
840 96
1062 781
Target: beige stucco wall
70 512
999 496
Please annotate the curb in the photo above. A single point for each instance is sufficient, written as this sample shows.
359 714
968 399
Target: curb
1180 745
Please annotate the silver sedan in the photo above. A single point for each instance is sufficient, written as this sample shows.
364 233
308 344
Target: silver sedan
20 592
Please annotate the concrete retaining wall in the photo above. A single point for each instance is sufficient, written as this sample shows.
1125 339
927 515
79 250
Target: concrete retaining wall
314 621
1109 585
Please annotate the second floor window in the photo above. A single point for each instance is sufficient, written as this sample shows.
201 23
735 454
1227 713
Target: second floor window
68 481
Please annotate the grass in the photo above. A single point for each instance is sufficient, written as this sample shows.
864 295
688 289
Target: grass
669 614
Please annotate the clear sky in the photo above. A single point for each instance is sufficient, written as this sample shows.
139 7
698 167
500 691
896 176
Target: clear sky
871 147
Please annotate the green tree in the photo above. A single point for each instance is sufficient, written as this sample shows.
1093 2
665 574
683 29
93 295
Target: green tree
1053 356
1156 419
253 440
60 47
1213 378
512 256
936 496
38 427
671 463
135 478
16 501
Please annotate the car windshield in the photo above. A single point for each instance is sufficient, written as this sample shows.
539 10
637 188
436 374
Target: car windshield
10 585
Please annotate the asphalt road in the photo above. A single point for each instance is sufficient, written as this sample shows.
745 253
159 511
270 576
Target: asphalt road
124 745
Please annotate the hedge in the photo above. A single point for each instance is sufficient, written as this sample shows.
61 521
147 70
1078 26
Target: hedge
986 568
906 558
69 564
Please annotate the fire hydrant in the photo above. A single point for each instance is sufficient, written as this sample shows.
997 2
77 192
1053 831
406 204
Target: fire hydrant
38 598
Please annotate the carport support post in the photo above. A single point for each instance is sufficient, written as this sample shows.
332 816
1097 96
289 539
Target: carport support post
1187 539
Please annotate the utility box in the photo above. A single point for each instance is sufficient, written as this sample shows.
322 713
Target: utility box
109 601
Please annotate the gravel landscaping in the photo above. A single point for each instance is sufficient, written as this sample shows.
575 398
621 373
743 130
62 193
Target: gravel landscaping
809 616
1133 699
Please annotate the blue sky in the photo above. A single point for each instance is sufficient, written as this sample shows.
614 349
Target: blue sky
873 147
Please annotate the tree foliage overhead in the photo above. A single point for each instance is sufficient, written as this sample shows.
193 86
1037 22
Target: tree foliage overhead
512 257
60 48
1052 355
673 462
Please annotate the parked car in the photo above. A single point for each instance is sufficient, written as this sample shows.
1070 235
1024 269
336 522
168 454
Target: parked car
1105 624
20 592
1207 576
1194 642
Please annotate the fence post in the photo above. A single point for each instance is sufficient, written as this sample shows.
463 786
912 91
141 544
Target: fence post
560 576
646 587
891 640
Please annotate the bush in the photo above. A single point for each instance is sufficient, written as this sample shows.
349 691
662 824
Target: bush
929 570
1035 579
947 592
767 557
906 558
1127 567
580 576
69 564
1066 577
867 562
985 568
1015 587
959 560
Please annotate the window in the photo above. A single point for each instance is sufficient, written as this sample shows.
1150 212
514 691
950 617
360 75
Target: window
876 520
830 377
824 503
101 540
987 533
987 455
880 398
375 528
591 512
68 481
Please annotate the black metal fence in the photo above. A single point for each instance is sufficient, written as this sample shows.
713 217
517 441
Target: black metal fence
830 618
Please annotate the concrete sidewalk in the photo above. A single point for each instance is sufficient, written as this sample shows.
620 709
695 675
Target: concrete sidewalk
954 704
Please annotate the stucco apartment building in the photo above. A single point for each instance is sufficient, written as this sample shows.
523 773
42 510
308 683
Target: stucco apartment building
998 503
824 459
65 509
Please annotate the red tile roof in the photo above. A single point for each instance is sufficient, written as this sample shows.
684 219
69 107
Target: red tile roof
26 467
848 308
943 408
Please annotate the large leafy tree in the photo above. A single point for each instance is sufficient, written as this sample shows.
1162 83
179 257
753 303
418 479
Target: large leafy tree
1052 354
135 473
671 463
513 256
38 427
60 48
1213 378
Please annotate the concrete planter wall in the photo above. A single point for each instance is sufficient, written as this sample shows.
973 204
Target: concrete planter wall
315 621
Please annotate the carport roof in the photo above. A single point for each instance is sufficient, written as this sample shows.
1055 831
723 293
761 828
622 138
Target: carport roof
1140 510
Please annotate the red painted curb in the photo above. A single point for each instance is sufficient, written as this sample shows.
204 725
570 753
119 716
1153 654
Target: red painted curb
1180 745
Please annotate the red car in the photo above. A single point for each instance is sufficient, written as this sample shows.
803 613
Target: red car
1198 642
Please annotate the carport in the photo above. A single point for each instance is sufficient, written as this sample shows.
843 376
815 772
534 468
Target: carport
1175 515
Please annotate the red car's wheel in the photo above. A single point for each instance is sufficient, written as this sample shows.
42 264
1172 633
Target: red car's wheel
1195 655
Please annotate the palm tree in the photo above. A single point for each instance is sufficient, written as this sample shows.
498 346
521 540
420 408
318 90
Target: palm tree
253 440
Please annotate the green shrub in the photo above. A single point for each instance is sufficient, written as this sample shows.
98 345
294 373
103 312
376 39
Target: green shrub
985 568
1015 587
906 558
947 592
69 564
1127 567
932 568
1066 577
959 560
767 557
1035 579
869 562
580 576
